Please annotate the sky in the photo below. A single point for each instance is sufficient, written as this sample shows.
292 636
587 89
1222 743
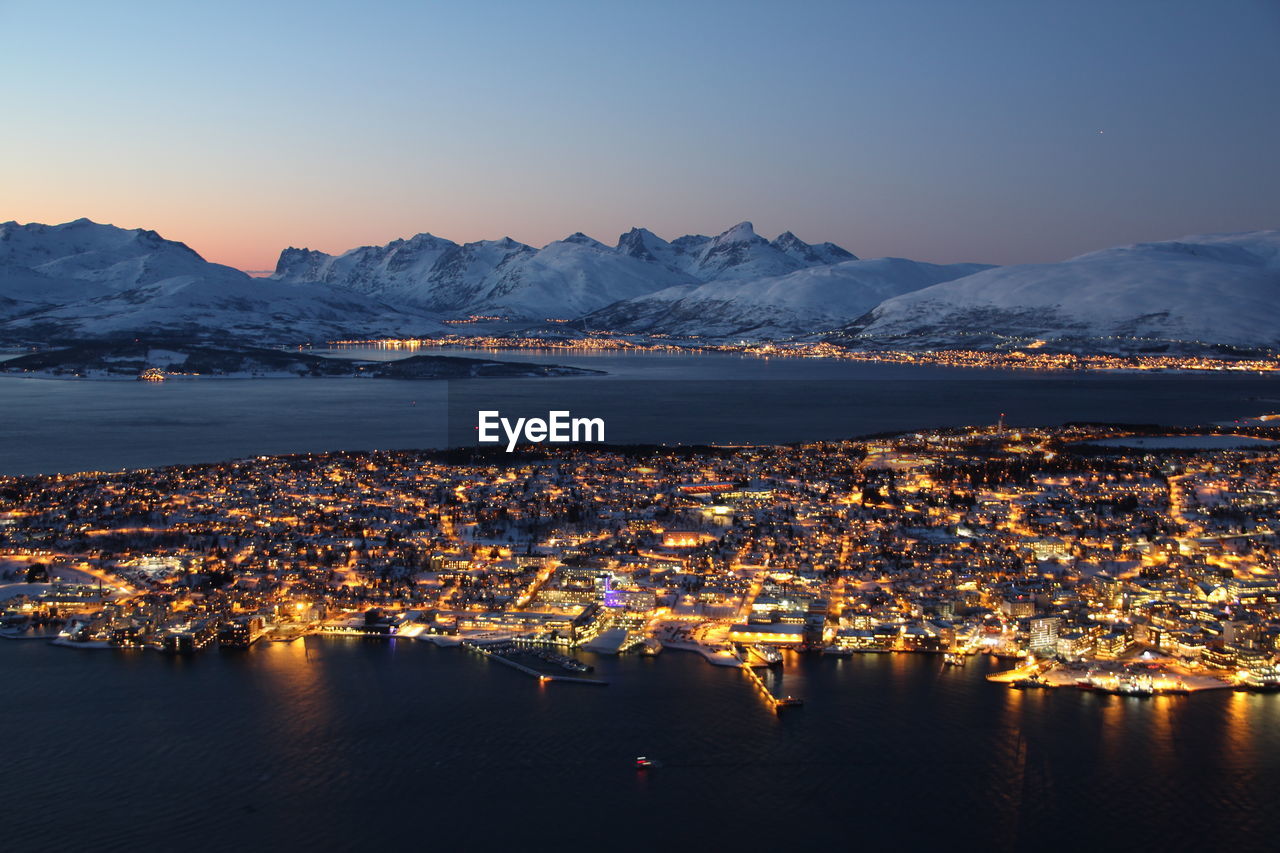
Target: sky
987 131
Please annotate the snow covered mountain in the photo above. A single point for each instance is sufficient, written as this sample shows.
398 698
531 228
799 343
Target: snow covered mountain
810 255
102 256
570 277
1184 295
816 299
81 279
738 253
563 280
503 277
84 279
424 270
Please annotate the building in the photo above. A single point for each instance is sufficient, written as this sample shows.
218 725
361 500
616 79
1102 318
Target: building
1018 607
1044 636
1112 645
1074 644
778 633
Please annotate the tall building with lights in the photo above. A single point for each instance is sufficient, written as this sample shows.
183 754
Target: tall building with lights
1044 635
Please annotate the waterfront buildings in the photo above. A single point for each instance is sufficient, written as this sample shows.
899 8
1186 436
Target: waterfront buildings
1041 542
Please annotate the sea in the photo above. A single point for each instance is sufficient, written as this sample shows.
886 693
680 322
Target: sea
67 425
343 744
350 744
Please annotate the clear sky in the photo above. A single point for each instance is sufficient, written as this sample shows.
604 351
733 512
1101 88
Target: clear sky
982 130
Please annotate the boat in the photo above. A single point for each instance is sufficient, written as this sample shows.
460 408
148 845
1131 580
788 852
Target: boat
768 654
953 659
643 763
1124 684
1262 680
1127 689
1266 687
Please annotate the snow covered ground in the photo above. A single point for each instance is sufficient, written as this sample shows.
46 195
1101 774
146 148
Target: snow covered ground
10 590
803 302
1191 293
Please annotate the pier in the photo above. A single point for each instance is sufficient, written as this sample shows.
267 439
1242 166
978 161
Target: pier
528 670
774 702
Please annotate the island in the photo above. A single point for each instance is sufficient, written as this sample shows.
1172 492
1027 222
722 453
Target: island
1115 559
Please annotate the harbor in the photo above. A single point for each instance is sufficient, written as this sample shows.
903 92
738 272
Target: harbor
507 653
1118 678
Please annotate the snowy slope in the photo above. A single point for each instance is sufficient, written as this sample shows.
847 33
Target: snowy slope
85 279
424 271
1197 291
113 258
570 277
24 290
44 266
740 253
810 255
810 300
401 265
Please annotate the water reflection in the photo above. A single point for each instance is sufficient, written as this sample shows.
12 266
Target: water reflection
312 743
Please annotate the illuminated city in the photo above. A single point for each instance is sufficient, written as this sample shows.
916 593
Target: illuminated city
1083 564
680 426
1029 356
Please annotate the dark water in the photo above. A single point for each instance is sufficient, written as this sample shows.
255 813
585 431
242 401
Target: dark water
346 744
61 425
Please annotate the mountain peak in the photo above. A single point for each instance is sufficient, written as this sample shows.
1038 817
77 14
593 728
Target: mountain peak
293 259
810 254
583 240
426 240
505 244
743 232
643 244
831 253
637 237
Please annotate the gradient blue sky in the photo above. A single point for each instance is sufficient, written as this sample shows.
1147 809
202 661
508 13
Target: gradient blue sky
942 131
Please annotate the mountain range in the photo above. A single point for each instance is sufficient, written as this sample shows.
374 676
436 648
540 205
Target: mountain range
81 279
814 299
84 280
561 281
1188 295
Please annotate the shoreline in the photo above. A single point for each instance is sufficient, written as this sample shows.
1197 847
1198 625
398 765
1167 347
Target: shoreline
1053 678
585 373
1028 358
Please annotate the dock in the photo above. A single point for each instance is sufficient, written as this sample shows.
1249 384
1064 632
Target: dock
775 703
528 670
